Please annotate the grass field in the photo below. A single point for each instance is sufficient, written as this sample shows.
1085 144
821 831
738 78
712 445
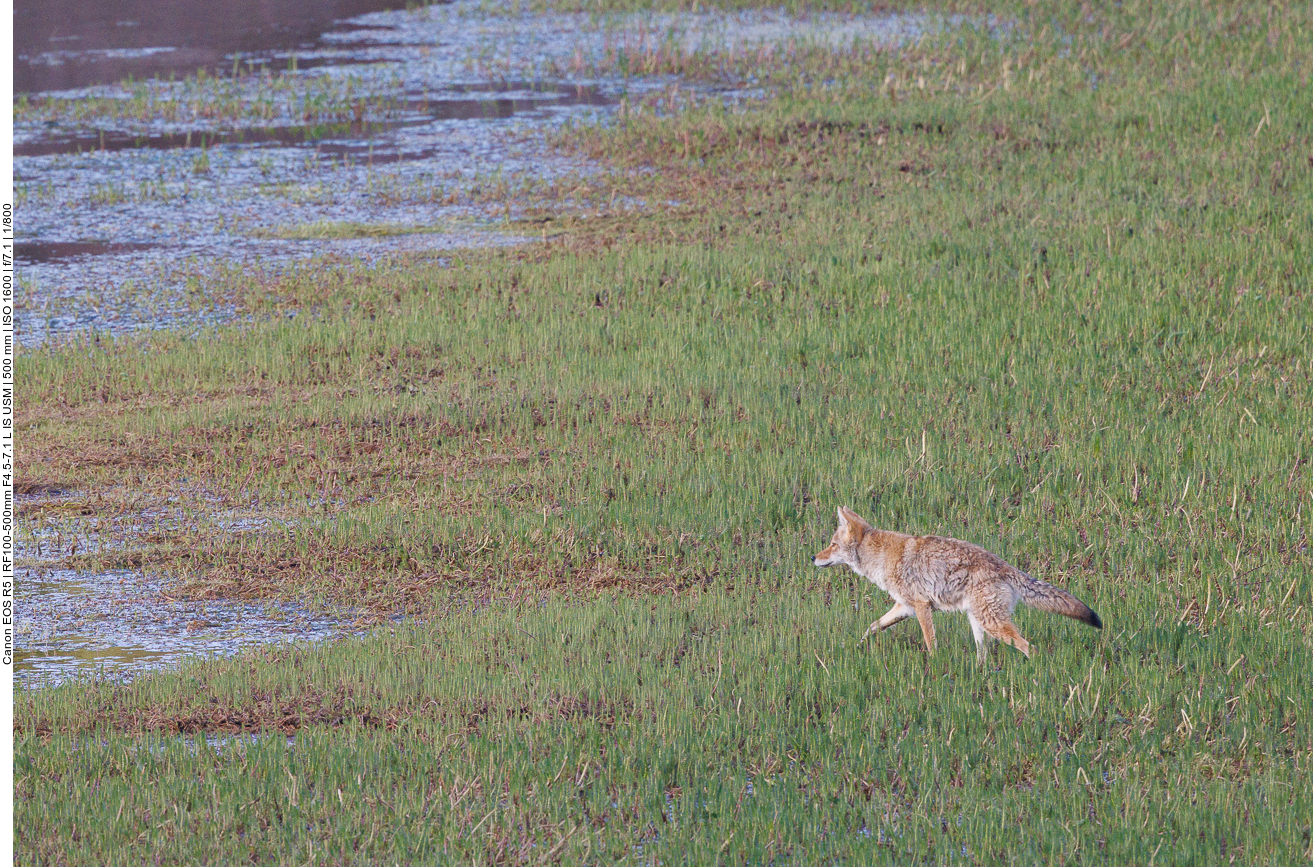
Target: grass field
1046 289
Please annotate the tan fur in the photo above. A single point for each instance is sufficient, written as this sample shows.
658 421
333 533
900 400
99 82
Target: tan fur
934 573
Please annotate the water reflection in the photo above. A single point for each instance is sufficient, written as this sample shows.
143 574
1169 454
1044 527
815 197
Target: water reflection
67 44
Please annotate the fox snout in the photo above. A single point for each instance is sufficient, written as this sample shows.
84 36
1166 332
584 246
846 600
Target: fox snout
826 557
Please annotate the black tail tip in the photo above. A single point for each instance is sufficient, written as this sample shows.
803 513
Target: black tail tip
1094 620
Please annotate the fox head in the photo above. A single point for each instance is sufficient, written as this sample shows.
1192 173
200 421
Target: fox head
843 547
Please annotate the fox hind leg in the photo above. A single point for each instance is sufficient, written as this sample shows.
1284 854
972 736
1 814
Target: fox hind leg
978 631
897 614
1004 631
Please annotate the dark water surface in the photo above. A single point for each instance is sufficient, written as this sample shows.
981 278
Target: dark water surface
69 44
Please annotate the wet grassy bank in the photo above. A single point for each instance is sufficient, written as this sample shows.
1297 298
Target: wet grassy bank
1044 289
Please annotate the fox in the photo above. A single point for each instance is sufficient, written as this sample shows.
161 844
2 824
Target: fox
936 573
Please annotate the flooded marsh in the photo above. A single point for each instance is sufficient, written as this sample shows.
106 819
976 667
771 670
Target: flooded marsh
1044 289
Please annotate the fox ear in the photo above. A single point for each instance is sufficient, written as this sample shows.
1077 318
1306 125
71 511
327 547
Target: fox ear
848 516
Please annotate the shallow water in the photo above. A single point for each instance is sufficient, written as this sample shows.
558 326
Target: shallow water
118 624
435 119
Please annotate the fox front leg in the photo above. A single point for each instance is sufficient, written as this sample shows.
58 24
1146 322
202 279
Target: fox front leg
897 614
922 610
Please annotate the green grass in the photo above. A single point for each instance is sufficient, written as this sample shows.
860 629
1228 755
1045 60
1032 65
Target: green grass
244 97
745 721
330 230
1069 323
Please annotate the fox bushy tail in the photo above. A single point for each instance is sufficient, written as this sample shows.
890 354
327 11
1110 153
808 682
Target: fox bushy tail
1044 596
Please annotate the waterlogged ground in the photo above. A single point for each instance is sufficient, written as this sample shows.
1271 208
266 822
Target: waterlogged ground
399 132
118 623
